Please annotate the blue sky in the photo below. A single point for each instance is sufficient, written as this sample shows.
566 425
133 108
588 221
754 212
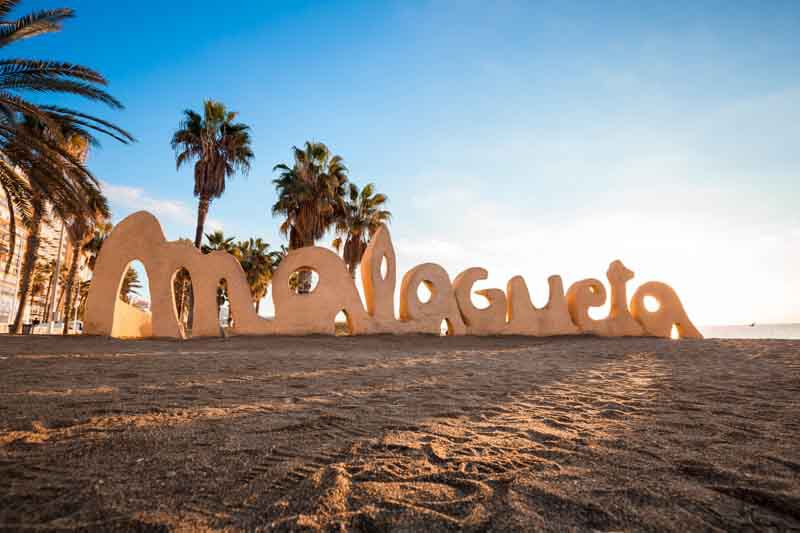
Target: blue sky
530 138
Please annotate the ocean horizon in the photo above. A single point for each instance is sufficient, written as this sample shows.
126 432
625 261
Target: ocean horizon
755 331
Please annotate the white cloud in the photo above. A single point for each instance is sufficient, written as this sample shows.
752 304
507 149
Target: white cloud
727 266
128 199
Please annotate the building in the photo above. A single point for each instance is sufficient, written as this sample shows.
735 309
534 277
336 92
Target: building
54 242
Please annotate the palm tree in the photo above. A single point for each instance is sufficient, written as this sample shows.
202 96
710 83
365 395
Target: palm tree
81 230
90 251
92 247
219 147
63 187
360 218
19 77
38 283
62 282
36 166
130 285
48 269
83 293
310 197
309 193
54 280
218 241
258 264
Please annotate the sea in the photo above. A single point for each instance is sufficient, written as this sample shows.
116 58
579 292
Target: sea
755 331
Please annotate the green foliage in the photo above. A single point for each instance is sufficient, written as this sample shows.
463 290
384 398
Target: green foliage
130 285
40 139
257 260
92 247
360 217
219 147
310 193
43 147
218 242
258 263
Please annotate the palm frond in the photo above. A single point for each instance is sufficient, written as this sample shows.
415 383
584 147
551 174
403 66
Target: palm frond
36 23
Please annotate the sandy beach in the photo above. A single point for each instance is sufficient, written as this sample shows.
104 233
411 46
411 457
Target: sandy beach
399 433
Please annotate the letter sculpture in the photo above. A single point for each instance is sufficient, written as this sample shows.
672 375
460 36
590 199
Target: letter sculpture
140 237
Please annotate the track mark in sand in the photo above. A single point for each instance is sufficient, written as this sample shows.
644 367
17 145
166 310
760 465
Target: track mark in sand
307 448
423 469
794 467
773 501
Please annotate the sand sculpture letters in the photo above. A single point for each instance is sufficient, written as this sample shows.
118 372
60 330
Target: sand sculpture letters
140 237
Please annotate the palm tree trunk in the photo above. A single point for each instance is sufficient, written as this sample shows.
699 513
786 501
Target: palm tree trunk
60 299
202 212
81 302
258 304
31 252
12 231
73 273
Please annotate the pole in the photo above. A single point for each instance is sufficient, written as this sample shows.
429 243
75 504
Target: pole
15 301
53 310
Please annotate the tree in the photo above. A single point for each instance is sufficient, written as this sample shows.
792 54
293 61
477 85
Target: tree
38 282
130 285
219 148
53 189
49 271
81 227
92 248
34 137
258 264
310 197
83 293
53 282
360 218
62 282
21 76
218 241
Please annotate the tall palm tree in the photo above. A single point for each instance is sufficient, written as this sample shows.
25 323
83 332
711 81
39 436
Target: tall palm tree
310 197
38 283
49 270
83 293
81 230
90 251
19 77
63 188
219 148
258 264
62 283
358 221
309 193
54 279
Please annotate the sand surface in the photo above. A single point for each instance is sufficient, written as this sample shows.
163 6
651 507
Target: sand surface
399 433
